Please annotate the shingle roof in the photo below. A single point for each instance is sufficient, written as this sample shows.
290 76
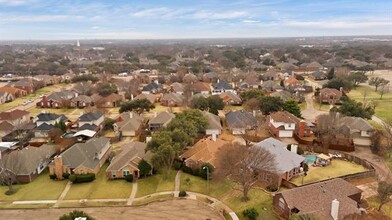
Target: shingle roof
91 127
213 121
173 96
201 87
162 118
283 116
91 116
129 152
6 126
269 84
49 116
12 115
129 123
286 160
44 127
317 198
231 95
240 119
223 85
149 97
63 95
83 98
150 87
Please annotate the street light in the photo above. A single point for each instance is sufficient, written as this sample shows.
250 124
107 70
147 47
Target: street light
208 177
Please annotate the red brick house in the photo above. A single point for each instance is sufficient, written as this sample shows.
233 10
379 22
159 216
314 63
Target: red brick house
330 96
285 124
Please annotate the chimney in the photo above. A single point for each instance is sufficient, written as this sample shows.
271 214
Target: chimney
254 113
335 209
58 167
156 82
294 148
213 138
130 114
341 89
44 102
131 96
301 129
155 114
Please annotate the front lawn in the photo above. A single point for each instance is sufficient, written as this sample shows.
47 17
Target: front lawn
100 188
259 200
322 107
42 188
196 184
337 168
155 183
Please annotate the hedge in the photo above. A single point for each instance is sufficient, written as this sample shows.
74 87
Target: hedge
129 178
52 176
66 175
182 193
82 178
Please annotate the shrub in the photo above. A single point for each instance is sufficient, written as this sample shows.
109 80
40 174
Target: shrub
75 214
72 177
196 172
203 172
82 178
177 165
10 192
144 167
186 169
182 193
251 213
272 188
52 176
66 175
129 178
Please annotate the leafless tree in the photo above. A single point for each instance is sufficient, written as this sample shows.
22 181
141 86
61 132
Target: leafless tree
244 165
9 163
383 89
387 124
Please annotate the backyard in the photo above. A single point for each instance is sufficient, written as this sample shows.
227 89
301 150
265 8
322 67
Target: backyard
336 169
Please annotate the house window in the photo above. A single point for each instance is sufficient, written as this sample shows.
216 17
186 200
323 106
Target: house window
282 204
125 172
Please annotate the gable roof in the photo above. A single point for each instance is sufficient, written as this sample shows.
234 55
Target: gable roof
12 90
63 95
285 160
222 84
213 121
91 127
83 98
129 152
205 150
84 154
315 64
317 198
129 121
240 119
177 87
151 86
50 117
149 97
285 117
269 84
173 96
162 118
6 126
318 74
44 127
356 123
201 87
13 115
91 116
231 95
330 90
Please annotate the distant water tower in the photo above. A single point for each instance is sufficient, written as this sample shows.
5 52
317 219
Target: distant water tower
77 43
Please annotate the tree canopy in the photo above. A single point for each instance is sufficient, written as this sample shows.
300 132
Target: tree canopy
211 104
252 94
377 82
337 83
139 106
292 106
270 104
357 77
355 109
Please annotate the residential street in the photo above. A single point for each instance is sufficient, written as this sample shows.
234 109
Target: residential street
310 113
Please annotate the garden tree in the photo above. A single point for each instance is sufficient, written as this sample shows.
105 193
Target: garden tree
144 168
139 106
292 106
331 74
269 62
384 192
243 165
377 82
200 103
384 88
108 124
8 163
251 214
357 77
84 88
252 94
387 125
270 104
105 89
61 125
337 83
203 170
87 77
75 214
211 104
55 133
252 104
192 117
325 128
356 109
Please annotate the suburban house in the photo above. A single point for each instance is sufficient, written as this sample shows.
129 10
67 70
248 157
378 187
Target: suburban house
28 85
238 122
288 163
331 199
82 101
15 92
286 95
292 83
201 87
160 120
172 99
127 161
330 96
314 66
17 118
6 97
230 98
82 158
111 101
128 124
153 88
57 99
177 88
270 86
190 78
285 124
91 121
45 122
221 87
5 129
150 97
251 81
360 130
270 76
318 75
204 151
214 127
28 163
47 80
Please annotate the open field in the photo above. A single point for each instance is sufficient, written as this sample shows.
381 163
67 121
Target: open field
337 168
366 94
100 188
155 183
42 188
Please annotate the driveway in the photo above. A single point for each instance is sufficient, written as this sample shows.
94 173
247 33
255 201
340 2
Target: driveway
310 113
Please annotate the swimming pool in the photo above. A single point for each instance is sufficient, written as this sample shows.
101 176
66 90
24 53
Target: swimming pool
309 159
68 135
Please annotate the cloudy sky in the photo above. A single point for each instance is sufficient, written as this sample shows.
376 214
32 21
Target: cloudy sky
162 19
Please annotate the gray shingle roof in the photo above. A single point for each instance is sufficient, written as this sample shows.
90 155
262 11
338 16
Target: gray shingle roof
91 127
213 121
162 118
91 116
240 119
48 116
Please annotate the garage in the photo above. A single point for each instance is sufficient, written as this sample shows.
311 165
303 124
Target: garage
285 133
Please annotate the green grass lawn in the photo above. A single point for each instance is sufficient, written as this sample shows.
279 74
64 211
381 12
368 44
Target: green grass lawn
259 200
386 208
42 188
384 105
100 188
338 168
199 185
324 107
155 183
302 105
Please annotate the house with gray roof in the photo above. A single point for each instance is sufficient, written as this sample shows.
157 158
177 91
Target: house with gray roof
45 122
26 164
221 87
127 161
270 86
238 122
128 124
82 158
57 99
172 99
91 120
160 120
153 88
288 163
214 126
82 101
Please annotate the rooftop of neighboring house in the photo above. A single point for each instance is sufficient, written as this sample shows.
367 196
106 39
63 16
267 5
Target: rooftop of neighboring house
11 90
173 96
283 116
318 197
232 96
240 119
330 90
50 117
177 87
84 154
269 84
6 126
356 123
222 84
201 87
162 118
285 160
291 81
205 150
213 121
91 116
315 64
13 115
130 154
318 74
83 98
63 95
149 97
129 121
151 86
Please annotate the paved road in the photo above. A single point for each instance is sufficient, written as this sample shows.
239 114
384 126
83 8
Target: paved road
310 113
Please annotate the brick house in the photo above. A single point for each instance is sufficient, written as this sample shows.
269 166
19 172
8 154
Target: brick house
17 117
285 124
128 124
330 96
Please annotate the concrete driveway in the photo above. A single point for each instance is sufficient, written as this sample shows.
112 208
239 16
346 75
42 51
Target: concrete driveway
310 113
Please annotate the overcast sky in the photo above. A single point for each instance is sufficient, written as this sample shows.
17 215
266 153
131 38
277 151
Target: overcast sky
162 19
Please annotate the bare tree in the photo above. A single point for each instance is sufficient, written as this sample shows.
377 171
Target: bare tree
383 89
384 191
244 165
8 165
387 124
